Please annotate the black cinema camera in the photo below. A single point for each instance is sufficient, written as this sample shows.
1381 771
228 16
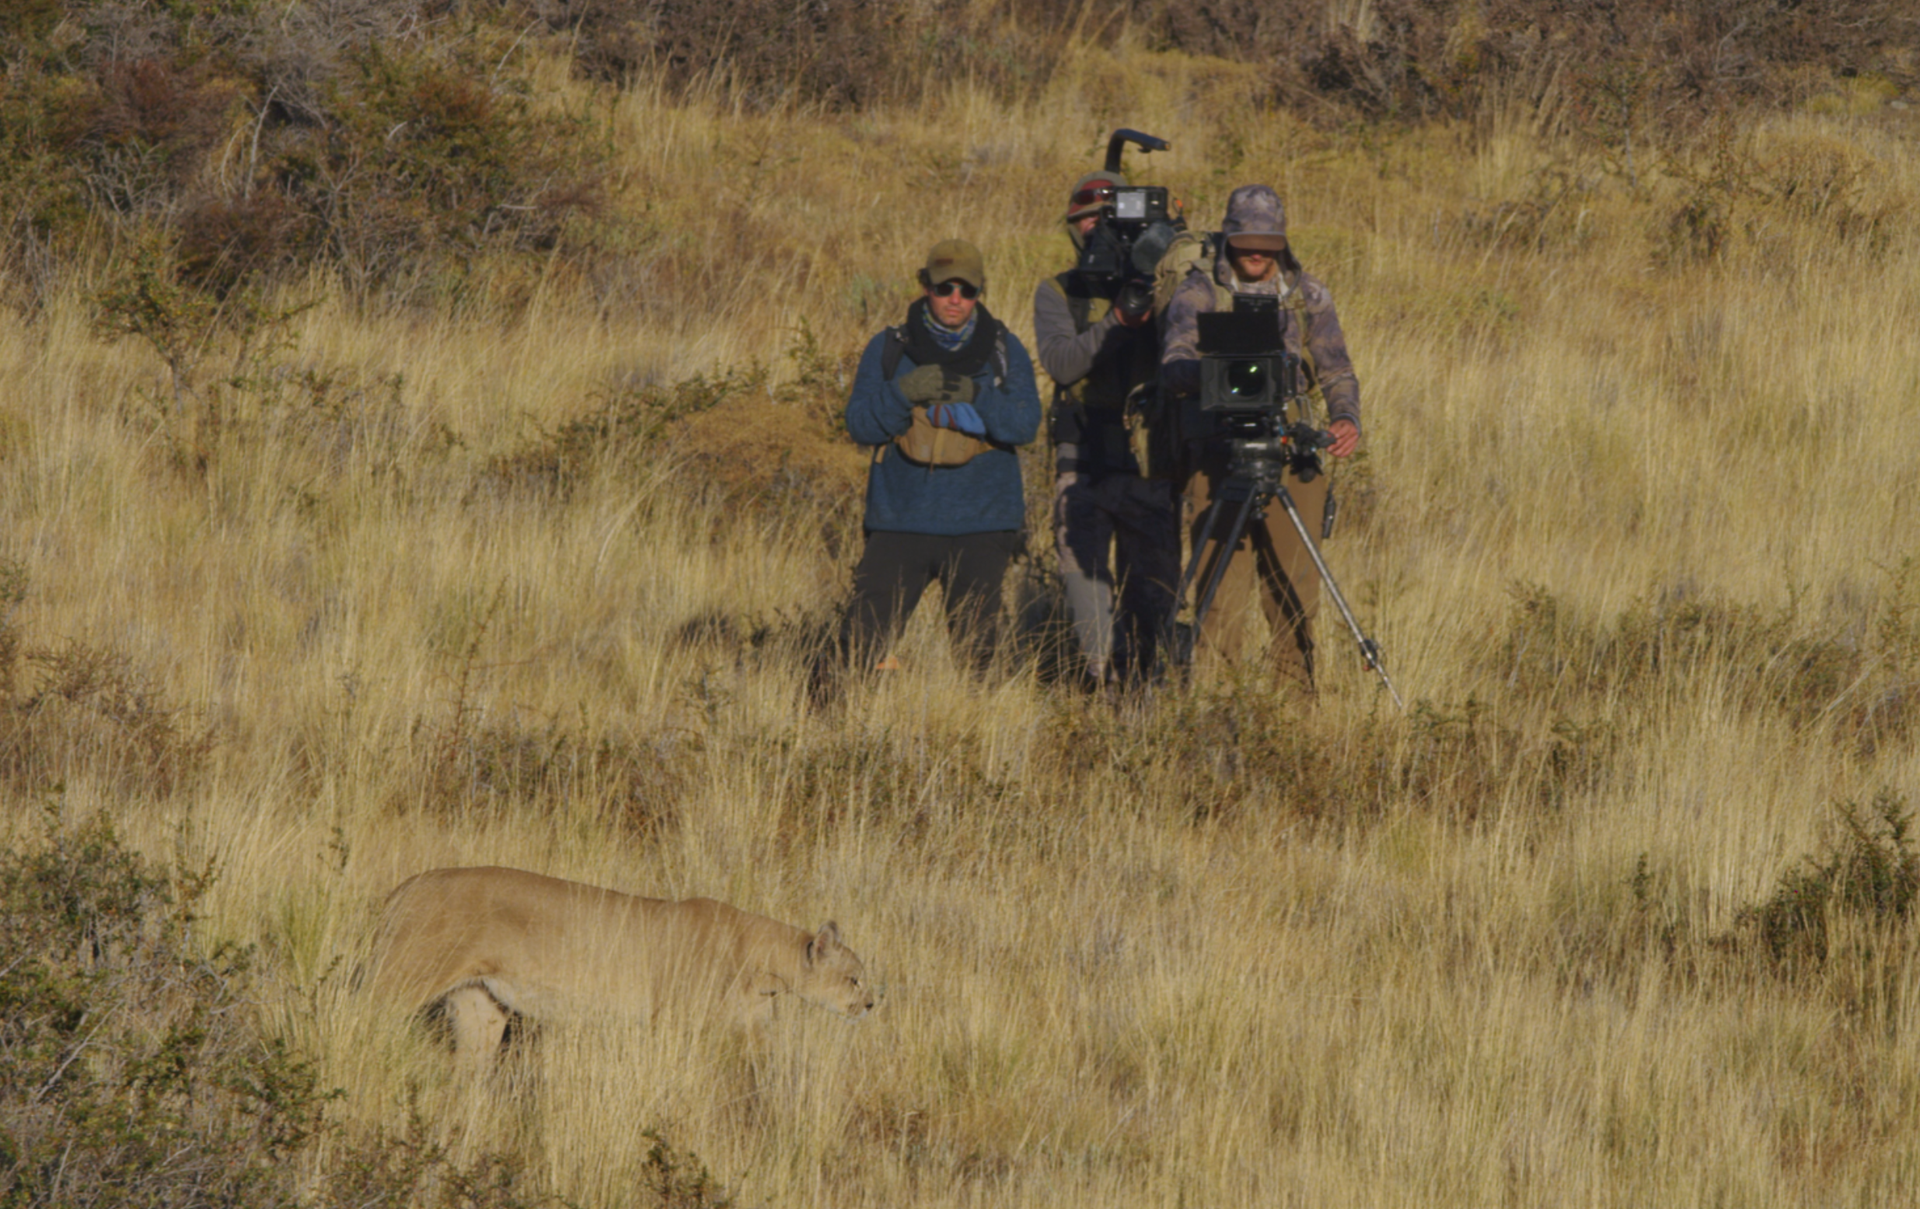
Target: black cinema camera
1245 367
1137 225
1252 386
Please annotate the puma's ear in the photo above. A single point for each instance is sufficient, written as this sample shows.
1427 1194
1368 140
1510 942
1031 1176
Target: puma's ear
824 942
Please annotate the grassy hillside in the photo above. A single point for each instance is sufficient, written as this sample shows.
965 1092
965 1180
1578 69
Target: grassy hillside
317 592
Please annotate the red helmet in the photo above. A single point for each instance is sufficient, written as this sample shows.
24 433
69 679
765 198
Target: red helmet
1092 192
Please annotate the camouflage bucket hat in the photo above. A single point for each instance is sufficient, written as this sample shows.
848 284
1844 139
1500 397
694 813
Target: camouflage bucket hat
954 260
1091 192
1255 219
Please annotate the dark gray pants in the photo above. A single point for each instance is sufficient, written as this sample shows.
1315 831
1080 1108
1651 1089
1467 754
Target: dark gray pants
1122 605
894 571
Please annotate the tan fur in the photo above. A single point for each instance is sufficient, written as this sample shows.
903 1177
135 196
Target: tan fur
484 944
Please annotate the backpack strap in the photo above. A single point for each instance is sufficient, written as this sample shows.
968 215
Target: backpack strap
1295 300
891 352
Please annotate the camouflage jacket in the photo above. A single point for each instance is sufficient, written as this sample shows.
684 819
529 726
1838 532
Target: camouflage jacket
1322 343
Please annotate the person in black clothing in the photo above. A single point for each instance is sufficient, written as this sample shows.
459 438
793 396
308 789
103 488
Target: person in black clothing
1116 530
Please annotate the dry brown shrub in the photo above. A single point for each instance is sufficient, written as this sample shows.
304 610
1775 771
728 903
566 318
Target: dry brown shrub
757 447
156 121
846 56
226 240
94 714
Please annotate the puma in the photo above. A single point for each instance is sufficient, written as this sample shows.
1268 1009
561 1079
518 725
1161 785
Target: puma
485 945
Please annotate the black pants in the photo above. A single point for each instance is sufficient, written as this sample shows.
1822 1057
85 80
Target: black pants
894 572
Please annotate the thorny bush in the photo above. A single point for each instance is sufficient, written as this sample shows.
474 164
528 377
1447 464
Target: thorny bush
390 139
1870 871
738 438
1838 921
93 713
132 1067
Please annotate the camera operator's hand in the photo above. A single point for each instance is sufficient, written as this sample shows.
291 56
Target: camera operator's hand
1346 438
930 384
1133 305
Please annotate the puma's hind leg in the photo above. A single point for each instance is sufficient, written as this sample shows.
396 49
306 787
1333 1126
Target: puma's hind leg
478 1024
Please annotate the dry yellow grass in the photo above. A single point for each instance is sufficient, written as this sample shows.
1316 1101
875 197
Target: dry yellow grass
1128 960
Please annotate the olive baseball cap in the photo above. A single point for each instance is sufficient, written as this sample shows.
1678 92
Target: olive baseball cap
1255 219
955 260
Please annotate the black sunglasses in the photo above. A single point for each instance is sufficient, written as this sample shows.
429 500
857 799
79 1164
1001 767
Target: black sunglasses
946 288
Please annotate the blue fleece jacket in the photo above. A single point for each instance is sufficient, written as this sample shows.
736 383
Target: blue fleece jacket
982 496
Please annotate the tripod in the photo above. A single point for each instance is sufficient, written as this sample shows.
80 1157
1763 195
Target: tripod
1253 481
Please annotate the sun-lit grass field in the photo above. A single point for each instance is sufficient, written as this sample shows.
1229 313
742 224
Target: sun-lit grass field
1636 524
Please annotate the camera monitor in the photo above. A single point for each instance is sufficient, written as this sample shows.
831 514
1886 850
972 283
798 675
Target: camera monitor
1240 333
1140 204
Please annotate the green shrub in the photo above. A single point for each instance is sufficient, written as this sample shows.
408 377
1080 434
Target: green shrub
1869 872
132 1068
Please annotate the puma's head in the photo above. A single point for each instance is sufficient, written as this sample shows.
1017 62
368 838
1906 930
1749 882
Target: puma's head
832 977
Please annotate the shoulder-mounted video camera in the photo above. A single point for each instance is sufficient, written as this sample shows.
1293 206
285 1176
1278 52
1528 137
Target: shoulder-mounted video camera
1137 225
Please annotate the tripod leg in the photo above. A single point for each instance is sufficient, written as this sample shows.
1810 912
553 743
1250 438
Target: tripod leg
1199 547
1289 589
1179 646
1369 650
1219 572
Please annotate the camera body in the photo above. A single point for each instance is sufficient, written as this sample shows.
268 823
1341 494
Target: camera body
1245 368
1251 389
1137 225
1134 229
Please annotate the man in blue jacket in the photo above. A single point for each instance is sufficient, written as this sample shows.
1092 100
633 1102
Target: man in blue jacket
942 399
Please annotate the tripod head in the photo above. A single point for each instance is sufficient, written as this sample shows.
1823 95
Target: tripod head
1261 446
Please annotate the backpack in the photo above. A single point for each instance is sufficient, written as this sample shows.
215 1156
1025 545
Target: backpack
1189 250
925 443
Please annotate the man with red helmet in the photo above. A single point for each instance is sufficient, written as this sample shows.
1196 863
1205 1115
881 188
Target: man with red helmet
1116 530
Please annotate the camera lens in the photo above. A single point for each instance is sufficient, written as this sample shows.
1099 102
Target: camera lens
1247 379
